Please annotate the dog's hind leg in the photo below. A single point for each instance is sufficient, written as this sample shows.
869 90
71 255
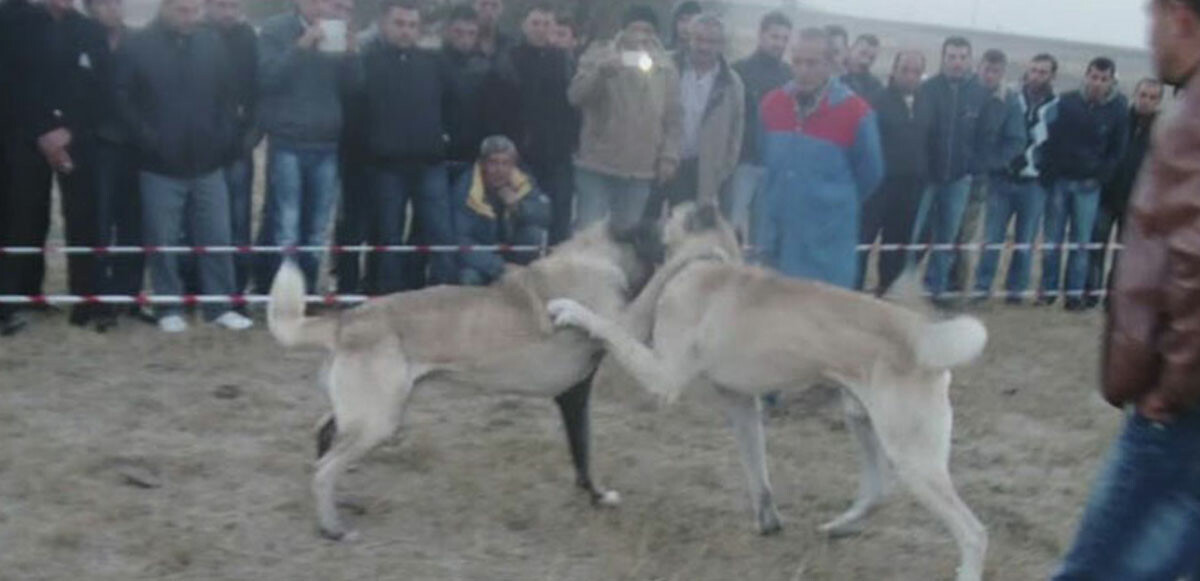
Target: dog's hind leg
574 405
744 413
872 485
369 391
914 421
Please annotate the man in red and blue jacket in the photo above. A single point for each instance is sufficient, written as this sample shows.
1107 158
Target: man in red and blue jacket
821 149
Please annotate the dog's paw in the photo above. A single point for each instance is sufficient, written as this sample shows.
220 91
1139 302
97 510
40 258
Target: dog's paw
339 534
568 313
609 498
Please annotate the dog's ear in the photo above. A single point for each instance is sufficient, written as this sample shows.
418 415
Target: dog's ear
705 218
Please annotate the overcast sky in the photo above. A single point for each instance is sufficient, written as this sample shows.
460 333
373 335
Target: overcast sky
1120 22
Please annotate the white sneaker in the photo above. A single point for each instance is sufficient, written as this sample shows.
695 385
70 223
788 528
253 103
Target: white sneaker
172 324
233 321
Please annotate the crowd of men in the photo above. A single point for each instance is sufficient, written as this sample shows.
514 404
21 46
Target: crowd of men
492 140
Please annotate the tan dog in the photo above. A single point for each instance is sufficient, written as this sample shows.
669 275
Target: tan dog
496 339
748 332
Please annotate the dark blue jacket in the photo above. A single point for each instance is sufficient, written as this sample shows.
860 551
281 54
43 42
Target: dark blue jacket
1087 139
404 95
1115 195
465 129
1002 135
955 108
176 94
482 221
300 91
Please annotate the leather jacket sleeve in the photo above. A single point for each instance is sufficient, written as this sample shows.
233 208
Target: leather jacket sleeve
1180 344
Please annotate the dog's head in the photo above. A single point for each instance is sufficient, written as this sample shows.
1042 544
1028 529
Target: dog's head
700 228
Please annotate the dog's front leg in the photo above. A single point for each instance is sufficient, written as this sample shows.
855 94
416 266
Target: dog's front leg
574 404
744 413
663 377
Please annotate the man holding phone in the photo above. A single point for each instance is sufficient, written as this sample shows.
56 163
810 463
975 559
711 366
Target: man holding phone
627 91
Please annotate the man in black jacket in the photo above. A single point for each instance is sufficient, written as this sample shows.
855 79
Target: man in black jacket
527 102
1087 140
903 125
1147 98
858 77
59 61
403 95
762 72
175 91
467 70
955 101
225 17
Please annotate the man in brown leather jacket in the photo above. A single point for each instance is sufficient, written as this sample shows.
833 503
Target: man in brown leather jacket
1143 519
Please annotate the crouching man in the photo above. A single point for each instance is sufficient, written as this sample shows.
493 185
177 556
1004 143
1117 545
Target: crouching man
498 204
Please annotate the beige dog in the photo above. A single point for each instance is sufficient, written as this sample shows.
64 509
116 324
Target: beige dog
747 332
496 339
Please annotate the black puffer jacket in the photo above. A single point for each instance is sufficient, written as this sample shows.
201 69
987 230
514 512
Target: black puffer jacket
1116 192
903 132
466 74
176 94
1087 139
955 108
404 95
527 101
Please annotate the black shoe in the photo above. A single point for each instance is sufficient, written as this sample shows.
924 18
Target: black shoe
1014 301
1075 306
105 319
143 315
1046 301
11 323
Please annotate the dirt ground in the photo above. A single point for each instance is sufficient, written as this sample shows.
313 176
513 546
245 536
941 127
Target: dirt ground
480 488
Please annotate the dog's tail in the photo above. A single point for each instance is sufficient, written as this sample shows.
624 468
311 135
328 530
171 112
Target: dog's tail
285 314
949 344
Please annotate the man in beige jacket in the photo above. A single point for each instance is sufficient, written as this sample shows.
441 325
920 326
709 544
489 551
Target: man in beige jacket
628 93
713 101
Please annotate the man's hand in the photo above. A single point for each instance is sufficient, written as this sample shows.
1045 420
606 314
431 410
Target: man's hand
1155 407
509 195
53 146
667 169
312 37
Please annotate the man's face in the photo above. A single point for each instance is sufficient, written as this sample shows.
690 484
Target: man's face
498 170
489 11
401 28
109 13
182 15
637 36
841 49
1174 28
537 27
563 36
907 74
862 57
811 65
991 75
706 44
683 29
463 35
224 12
1148 98
774 40
956 61
1039 75
1098 84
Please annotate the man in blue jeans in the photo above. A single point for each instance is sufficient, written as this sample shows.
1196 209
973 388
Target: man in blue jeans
301 80
955 101
1142 522
1017 193
175 91
1087 140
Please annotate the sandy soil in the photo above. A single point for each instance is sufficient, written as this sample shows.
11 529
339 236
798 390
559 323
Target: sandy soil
479 487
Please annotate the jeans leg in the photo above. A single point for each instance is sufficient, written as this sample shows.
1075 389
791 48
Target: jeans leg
1098 257
432 208
320 198
108 161
389 209
1142 520
163 201
281 219
26 217
210 225
1055 231
969 233
1000 209
949 203
629 202
239 180
593 198
1084 200
1030 203
557 181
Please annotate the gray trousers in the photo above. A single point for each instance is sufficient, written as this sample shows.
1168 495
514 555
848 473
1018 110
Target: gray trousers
164 222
